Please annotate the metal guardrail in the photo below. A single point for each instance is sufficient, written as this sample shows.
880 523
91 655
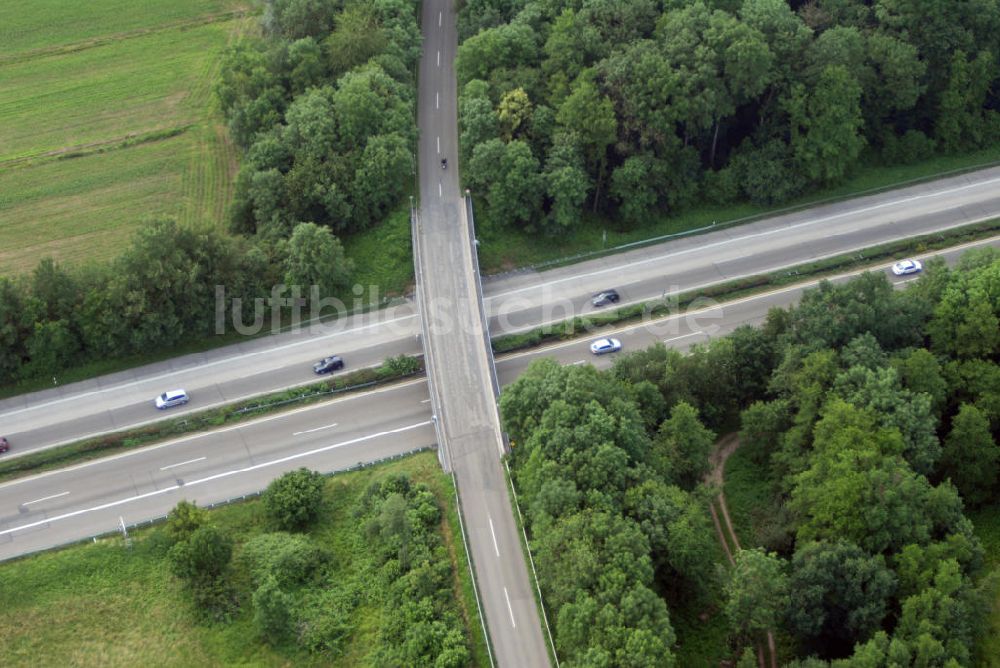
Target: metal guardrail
444 454
123 528
651 241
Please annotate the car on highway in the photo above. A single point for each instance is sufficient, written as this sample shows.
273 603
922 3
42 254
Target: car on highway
904 267
328 364
171 398
4 444
605 297
608 345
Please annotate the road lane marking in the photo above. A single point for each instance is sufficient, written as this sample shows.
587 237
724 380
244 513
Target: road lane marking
795 287
737 241
213 477
309 431
439 59
199 367
437 100
425 401
439 18
440 192
190 461
439 145
44 498
509 609
495 546
678 338
202 434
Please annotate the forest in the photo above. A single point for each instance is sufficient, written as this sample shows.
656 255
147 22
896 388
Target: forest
634 109
872 415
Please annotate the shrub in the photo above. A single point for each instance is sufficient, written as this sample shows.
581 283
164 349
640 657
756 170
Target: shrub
289 558
206 553
272 610
293 500
184 520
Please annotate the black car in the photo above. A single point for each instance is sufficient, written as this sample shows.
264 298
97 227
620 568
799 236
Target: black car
326 365
605 297
4 444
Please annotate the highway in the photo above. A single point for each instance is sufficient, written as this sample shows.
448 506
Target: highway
75 503
514 302
459 364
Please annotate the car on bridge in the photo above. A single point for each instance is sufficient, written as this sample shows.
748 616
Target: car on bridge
604 346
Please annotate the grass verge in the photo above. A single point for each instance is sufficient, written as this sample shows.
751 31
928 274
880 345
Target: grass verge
393 369
743 287
107 604
749 497
504 250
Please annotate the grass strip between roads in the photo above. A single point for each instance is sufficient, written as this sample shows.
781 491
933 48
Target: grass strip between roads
391 370
743 287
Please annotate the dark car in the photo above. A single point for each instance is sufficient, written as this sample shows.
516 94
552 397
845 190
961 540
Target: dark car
4 444
328 364
605 297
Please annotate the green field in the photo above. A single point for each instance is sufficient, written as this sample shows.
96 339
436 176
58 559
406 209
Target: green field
108 118
104 604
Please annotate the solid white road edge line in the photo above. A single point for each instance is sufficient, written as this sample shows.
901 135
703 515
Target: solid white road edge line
227 360
738 240
203 434
216 476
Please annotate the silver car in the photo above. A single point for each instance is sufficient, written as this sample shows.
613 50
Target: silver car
904 267
171 398
603 346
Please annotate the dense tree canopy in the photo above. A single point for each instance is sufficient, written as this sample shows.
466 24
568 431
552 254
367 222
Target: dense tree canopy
756 99
873 423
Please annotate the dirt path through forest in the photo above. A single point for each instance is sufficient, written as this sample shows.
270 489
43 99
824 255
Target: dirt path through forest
727 535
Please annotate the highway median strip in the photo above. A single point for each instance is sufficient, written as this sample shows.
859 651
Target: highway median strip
393 369
745 286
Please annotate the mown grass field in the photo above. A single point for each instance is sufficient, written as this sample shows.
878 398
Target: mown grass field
103 604
107 119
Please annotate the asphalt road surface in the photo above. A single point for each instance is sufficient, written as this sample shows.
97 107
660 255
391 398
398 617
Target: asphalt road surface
72 504
458 363
516 301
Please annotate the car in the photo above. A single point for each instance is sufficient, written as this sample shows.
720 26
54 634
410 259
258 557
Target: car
605 297
4 444
904 267
171 398
328 364
602 346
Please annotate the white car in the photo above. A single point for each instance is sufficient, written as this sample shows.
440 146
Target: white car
904 267
602 346
171 398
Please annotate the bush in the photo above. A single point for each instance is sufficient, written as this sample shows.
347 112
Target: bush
205 554
401 365
293 500
184 520
272 611
290 558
